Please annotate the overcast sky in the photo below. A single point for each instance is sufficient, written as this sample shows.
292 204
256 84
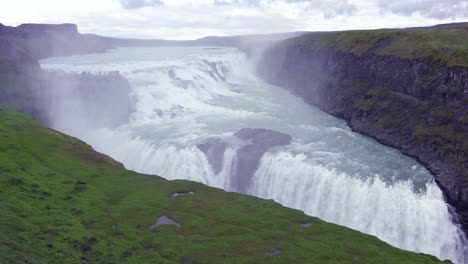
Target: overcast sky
185 19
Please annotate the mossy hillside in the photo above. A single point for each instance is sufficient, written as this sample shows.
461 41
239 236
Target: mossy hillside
447 45
61 202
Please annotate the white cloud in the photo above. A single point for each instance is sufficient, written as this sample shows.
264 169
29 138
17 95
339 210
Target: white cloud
329 8
133 4
188 19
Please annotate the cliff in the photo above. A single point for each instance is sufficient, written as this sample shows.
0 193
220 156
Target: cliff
103 99
25 87
39 29
47 40
406 88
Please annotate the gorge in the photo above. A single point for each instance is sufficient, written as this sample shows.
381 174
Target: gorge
414 99
277 117
198 116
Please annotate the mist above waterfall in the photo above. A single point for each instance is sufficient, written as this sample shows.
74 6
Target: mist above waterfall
192 109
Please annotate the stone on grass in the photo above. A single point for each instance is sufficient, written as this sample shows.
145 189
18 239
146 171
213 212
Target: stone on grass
163 220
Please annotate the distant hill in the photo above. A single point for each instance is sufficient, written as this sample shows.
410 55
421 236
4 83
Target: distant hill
44 40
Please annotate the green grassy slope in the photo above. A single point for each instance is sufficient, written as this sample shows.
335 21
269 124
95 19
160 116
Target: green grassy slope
61 202
447 45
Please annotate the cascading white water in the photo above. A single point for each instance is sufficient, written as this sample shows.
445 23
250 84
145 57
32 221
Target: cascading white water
189 95
393 213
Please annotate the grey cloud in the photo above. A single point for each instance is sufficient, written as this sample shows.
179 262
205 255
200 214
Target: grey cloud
134 4
438 9
329 8
333 8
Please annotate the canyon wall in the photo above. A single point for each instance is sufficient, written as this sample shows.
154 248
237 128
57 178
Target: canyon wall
25 87
406 88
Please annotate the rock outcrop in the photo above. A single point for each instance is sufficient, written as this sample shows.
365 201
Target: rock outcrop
258 141
252 144
214 152
102 99
24 87
47 40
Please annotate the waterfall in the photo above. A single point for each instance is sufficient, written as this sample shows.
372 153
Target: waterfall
191 102
395 213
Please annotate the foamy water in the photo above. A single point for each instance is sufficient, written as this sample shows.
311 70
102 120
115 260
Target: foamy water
185 96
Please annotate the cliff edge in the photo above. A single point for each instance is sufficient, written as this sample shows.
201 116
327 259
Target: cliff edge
406 88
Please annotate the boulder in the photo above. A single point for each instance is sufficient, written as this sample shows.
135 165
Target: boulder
258 141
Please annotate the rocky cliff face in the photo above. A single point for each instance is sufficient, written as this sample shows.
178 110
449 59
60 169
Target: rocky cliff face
24 87
44 40
418 105
39 29
100 99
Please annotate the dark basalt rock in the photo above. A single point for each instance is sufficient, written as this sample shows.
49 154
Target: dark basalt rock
255 143
419 106
248 156
214 151
26 88
102 99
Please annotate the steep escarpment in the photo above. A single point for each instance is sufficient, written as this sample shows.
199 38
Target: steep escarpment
47 40
25 87
100 98
406 88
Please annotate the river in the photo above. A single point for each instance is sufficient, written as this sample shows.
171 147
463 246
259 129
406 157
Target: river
189 96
